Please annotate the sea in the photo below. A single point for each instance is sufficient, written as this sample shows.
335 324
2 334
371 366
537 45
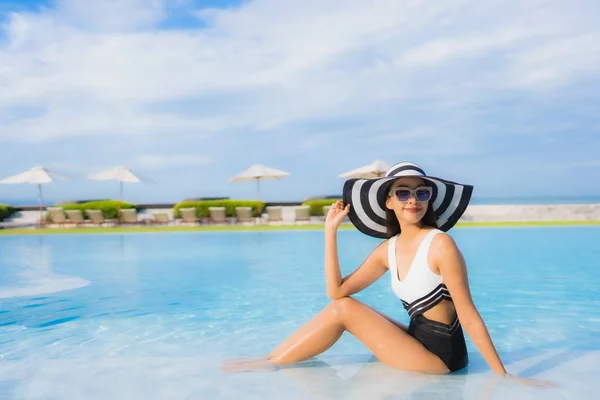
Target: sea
525 200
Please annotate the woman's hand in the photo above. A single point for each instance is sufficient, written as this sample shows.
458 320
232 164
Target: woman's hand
336 215
530 382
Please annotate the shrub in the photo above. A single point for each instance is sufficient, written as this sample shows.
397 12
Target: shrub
230 205
6 211
110 208
316 206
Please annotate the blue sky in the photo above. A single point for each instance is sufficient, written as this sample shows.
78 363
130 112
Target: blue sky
503 95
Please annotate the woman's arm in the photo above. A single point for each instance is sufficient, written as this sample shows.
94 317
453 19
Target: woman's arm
370 270
451 264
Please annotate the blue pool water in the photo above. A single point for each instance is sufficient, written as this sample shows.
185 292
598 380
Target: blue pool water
152 315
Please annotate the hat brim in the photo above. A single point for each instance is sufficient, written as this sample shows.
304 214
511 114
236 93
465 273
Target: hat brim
367 198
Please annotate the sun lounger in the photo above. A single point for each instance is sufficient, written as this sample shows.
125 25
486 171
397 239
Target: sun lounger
129 216
326 211
160 218
189 215
97 217
243 214
57 215
302 213
217 215
274 214
75 217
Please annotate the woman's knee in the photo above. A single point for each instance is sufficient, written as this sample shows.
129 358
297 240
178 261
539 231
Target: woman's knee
343 307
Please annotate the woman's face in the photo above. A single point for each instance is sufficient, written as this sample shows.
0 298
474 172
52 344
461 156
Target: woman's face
409 207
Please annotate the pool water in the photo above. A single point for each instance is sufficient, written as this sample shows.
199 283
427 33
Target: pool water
128 316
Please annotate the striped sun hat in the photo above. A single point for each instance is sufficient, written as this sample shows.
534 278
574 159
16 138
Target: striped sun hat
367 197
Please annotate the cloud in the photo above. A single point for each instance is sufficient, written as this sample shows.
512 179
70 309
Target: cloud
266 67
558 62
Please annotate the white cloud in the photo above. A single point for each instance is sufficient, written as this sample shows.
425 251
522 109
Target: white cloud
471 45
90 68
159 161
558 62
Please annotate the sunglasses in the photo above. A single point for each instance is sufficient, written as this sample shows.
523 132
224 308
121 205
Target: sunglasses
422 193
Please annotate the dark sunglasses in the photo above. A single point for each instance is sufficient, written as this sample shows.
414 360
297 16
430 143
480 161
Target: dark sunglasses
422 193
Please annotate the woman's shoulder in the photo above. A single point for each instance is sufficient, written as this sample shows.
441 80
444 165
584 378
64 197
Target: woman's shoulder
441 237
442 244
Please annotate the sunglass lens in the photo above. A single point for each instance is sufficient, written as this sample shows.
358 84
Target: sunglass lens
403 195
423 194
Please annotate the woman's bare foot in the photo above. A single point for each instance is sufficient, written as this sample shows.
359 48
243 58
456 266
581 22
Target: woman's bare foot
248 364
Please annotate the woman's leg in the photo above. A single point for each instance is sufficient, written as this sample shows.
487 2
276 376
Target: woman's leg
313 338
320 333
386 339
388 342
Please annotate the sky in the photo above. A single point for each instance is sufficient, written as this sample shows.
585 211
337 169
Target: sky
500 94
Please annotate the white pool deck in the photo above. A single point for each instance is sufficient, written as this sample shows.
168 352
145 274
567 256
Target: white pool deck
474 213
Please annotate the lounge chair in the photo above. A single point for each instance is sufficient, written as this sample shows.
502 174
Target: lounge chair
97 217
302 213
160 218
217 215
57 215
189 215
243 214
75 217
274 214
129 216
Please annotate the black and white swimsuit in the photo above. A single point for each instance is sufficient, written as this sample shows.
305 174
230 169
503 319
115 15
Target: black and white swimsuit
420 290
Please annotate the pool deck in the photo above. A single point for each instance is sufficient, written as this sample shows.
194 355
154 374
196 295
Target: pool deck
24 222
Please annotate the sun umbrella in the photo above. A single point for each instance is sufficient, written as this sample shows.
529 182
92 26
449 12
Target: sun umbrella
121 174
36 175
257 173
374 170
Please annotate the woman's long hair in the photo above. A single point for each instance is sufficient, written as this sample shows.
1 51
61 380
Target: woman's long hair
393 226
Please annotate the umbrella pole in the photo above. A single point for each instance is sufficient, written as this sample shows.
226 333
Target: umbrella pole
119 203
41 204
257 188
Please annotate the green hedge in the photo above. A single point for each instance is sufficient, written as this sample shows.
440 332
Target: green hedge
230 205
5 211
316 206
109 207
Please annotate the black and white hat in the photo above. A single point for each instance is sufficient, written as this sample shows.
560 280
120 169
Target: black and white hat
367 198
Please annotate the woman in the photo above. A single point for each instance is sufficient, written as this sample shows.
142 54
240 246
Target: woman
412 211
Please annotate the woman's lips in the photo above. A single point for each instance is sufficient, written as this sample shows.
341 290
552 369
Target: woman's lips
412 209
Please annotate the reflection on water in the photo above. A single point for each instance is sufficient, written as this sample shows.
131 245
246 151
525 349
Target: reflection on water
28 271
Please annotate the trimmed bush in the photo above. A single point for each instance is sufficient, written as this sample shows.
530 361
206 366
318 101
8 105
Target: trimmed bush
316 206
108 207
6 211
230 205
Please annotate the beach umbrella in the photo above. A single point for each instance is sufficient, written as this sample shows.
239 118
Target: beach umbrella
376 169
119 173
257 173
36 176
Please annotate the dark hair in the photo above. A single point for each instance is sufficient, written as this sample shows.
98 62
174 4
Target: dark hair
393 226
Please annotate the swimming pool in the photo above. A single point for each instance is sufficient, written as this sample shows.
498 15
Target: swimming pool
152 315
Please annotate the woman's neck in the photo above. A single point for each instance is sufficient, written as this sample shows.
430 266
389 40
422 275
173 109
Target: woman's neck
410 230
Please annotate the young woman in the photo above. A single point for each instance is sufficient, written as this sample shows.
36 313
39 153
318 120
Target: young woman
411 211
